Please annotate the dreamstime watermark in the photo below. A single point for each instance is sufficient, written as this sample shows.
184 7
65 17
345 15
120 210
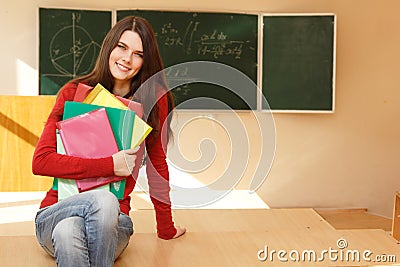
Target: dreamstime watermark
340 253
245 89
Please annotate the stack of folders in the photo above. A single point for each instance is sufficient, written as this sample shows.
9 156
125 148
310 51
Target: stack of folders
99 126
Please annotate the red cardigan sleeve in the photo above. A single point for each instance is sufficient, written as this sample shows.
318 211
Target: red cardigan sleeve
158 175
47 162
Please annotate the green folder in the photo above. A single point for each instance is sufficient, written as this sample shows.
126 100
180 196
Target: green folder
121 122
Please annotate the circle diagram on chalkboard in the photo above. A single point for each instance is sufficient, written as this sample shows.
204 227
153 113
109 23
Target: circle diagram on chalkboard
69 44
75 58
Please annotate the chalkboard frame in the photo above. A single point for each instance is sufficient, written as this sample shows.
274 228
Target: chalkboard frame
261 104
332 69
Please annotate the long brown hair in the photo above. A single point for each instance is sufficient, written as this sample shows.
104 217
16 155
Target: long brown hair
152 64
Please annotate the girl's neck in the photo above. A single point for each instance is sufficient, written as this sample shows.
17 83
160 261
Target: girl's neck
121 89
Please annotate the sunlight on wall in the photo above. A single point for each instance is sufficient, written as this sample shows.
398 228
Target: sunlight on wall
27 81
22 206
177 177
235 199
19 206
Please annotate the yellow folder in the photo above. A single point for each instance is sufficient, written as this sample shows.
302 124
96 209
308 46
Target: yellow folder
102 97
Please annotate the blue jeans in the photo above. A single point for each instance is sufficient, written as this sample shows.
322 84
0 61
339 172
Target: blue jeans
86 229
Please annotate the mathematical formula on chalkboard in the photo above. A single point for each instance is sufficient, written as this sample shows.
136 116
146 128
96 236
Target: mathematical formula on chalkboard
216 43
226 38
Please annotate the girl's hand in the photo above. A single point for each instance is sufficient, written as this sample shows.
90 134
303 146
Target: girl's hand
179 231
124 161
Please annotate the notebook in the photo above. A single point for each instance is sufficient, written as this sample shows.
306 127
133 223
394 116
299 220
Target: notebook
122 124
89 136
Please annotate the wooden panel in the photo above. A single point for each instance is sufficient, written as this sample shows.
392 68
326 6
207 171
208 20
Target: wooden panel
22 119
396 217
342 219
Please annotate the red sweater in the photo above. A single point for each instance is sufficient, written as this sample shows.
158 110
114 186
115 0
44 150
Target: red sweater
47 162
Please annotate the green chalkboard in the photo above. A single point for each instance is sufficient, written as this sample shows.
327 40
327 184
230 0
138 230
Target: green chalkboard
298 62
225 38
70 41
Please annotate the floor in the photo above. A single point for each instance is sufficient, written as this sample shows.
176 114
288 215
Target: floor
222 235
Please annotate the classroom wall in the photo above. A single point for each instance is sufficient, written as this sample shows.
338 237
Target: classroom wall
341 160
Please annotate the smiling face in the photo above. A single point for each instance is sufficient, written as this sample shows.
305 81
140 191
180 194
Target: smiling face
125 61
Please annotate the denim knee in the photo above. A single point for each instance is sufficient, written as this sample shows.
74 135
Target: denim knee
105 205
104 199
68 230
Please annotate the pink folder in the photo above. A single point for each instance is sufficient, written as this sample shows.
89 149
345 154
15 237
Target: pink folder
89 136
82 92
132 105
